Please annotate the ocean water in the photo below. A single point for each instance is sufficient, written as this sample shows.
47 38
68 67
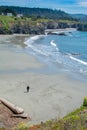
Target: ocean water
61 53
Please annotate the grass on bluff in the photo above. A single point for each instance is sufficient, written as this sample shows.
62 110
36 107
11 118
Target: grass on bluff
5 21
76 120
6 18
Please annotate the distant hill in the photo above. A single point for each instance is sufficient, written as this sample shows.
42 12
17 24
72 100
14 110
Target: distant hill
81 17
37 12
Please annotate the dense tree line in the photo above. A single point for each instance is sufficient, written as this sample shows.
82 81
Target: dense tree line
37 12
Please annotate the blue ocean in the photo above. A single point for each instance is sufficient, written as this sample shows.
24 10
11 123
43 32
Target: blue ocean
61 53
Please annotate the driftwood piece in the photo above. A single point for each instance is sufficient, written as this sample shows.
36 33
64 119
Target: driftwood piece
12 107
20 115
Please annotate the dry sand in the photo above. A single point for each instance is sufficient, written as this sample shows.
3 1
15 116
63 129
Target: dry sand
50 96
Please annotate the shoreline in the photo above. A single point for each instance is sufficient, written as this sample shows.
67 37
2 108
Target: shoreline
51 96
60 30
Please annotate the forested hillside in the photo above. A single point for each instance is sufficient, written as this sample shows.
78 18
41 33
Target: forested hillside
37 12
80 17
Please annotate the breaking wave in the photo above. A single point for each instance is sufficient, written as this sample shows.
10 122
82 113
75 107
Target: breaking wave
52 52
33 39
80 61
54 44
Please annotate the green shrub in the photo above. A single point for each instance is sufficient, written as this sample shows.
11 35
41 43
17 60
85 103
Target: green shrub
85 102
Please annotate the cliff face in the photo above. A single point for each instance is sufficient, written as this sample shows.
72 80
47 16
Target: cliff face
82 27
10 25
26 29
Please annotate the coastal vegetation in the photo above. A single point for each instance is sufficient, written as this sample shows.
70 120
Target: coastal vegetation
76 120
35 20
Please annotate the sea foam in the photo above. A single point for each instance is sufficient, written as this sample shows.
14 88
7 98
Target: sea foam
30 42
54 44
32 39
80 61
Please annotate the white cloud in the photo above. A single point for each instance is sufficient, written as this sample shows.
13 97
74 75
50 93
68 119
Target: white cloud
84 4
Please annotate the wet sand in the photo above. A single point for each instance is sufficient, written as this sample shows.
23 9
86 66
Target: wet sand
50 96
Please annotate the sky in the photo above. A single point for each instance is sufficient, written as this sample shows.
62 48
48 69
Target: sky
69 6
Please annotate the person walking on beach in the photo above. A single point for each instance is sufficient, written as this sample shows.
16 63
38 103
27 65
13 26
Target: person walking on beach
28 88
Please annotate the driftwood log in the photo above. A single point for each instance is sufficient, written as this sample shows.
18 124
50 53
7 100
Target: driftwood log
12 107
20 115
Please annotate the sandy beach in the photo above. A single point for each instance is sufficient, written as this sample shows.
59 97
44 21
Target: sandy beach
50 96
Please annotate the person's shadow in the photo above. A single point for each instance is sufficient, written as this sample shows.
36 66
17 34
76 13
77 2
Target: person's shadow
25 92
